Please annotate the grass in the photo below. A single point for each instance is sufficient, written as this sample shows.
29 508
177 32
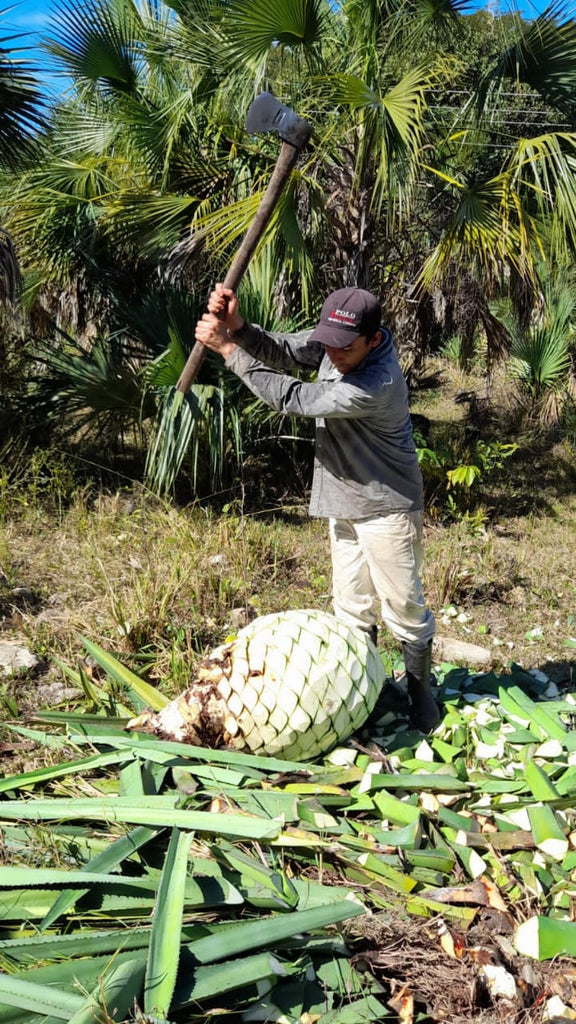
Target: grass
162 585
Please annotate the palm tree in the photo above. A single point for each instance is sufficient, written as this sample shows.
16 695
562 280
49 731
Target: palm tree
513 202
20 119
423 172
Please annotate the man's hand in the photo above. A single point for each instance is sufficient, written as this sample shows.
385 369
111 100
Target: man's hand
213 333
222 318
223 303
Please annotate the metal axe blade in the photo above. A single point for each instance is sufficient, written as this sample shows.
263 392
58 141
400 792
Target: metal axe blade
267 114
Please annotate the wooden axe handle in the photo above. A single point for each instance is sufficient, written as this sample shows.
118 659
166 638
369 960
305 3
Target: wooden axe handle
284 165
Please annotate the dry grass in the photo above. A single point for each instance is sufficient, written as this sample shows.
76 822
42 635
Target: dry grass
152 582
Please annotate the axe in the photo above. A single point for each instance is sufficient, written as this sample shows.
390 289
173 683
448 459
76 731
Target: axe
265 114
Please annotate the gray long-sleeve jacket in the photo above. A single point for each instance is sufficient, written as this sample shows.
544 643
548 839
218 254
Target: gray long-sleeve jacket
365 460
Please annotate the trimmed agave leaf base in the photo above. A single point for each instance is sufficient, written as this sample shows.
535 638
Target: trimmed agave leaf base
292 684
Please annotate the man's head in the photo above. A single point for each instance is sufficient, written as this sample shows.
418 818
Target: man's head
346 314
349 327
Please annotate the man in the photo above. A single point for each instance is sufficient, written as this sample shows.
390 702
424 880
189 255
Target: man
366 481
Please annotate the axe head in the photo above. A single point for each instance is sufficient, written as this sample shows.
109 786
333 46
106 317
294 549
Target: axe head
267 114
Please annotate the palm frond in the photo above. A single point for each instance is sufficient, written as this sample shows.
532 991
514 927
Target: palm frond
10 278
487 228
391 128
547 166
99 388
436 22
97 41
257 26
21 106
542 59
153 223
541 358
201 427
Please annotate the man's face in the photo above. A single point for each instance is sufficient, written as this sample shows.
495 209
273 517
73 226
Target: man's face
347 359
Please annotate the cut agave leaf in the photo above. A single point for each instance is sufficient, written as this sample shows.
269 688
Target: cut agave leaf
295 683
540 783
162 964
135 686
548 835
543 938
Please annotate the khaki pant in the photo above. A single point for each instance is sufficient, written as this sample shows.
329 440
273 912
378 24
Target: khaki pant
378 560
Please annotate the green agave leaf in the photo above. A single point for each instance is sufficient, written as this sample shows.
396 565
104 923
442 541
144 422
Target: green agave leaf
473 863
205 982
116 991
433 782
26 877
197 890
232 758
151 811
437 860
103 862
399 812
548 834
60 770
131 780
540 783
219 777
229 941
163 953
367 1009
545 719
253 870
41 999
76 722
390 876
44 739
85 943
151 697
544 938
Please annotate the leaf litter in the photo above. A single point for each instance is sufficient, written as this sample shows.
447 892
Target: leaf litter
401 877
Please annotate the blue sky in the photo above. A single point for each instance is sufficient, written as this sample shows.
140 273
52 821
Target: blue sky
27 19
31 16
25 15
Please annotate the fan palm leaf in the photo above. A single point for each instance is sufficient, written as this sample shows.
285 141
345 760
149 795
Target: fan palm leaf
21 103
541 359
97 42
487 228
543 59
545 167
96 389
259 30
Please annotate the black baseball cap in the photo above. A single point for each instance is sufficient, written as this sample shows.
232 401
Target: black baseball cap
346 314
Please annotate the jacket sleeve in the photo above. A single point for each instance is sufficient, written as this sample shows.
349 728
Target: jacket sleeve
283 351
332 399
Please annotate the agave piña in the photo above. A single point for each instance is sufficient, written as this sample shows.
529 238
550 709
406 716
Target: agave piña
292 684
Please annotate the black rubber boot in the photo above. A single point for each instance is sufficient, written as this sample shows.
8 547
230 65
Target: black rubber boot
424 713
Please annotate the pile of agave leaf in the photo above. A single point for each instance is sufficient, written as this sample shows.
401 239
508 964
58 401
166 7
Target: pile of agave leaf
148 881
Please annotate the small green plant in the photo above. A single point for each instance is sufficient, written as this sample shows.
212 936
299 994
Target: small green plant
452 349
456 476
